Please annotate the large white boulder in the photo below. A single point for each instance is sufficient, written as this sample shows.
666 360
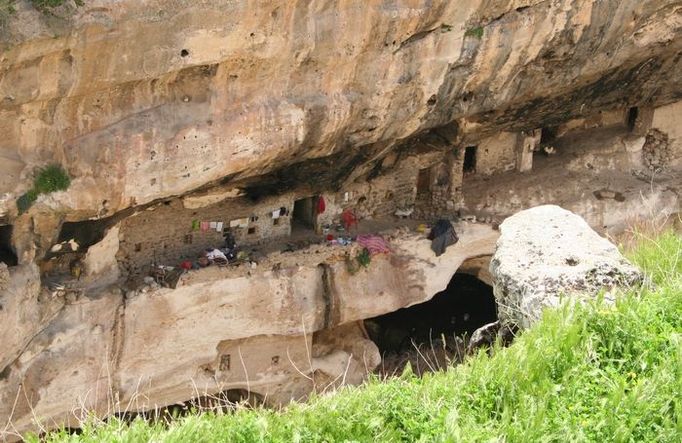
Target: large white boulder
547 253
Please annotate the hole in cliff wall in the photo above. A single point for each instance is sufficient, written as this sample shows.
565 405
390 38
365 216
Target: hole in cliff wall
470 159
548 135
433 334
7 254
633 115
424 182
79 236
305 214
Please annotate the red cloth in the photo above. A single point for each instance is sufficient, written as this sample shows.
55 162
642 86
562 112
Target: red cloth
186 265
330 237
374 244
349 219
321 205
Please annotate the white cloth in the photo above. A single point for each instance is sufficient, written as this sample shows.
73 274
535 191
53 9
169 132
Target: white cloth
212 225
239 223
219 226
275 214
214 254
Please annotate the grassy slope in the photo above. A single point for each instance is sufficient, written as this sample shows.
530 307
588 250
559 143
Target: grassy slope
596 373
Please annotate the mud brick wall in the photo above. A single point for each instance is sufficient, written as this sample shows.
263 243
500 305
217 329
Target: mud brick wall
164 234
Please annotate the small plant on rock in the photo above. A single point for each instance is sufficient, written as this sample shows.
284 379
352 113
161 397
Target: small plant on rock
476 32
364 258
50 179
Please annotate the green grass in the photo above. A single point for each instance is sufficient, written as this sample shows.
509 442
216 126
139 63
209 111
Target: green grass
593 373
51 178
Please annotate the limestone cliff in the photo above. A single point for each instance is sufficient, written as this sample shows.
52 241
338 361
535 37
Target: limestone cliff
181 121
142 100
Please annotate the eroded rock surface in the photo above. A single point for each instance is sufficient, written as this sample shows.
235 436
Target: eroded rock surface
141 100
545 254
279 333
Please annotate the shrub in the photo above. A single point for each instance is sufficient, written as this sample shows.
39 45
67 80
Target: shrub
51 179
475 32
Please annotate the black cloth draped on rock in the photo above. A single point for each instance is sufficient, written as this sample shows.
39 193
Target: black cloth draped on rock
442 235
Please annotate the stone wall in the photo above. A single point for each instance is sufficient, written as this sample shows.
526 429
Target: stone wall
667 120
497 153
164 234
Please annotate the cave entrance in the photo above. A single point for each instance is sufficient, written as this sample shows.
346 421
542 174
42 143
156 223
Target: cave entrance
304 215
74 239
470 153
433 334
7 254
633 115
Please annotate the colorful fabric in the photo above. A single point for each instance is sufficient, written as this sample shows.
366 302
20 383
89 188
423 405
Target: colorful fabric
321 205
375 244
349 219
195 225
204 226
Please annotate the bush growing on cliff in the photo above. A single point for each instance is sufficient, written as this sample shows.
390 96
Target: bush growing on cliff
476 32
50 179
595 373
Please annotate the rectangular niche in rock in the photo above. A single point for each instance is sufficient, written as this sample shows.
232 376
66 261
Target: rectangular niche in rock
305 214
7 254
470 153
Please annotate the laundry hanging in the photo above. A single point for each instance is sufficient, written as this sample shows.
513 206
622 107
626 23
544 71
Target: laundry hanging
219 226
195 225
240 223
321 205
204 226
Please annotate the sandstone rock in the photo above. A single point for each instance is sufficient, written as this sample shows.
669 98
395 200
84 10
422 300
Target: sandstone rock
545 254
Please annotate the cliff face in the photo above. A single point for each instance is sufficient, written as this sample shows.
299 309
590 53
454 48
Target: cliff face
142 100
180 121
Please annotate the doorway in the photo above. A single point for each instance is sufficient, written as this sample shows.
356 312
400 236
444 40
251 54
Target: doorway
305 214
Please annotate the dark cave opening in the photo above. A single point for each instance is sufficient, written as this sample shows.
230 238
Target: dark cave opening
79 236
305 213
7 254
548 135
438 328
470 159
633 115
